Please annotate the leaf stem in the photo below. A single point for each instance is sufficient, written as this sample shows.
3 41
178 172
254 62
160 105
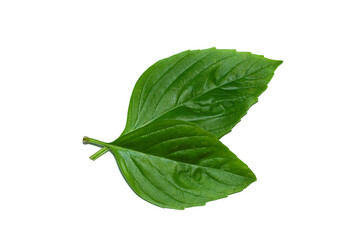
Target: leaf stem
99 153
102 151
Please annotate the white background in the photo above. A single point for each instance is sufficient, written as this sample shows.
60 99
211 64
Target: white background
67 69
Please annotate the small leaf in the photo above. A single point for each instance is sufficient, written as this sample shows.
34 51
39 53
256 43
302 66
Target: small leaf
212 88
175 164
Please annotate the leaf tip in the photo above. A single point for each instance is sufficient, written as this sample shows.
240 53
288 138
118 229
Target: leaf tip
278 62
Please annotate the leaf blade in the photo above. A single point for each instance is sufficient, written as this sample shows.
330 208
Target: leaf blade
172 171
195 84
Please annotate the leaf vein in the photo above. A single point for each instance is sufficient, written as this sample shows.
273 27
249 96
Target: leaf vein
147 179
174 184
179 77
220 60
152 87
136 181
173 139
188 149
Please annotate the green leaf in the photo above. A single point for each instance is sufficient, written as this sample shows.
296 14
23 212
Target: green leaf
212 88
176 164
169 151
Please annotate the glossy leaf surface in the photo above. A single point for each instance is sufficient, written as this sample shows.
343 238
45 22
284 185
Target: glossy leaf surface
175 164
169 152
212 88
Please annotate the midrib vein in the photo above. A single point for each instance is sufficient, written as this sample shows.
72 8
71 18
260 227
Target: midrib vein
111 146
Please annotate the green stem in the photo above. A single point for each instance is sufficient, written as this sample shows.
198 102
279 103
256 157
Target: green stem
102 151
99 153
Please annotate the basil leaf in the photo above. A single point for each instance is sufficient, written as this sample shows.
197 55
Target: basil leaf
212 88
176 164
169 151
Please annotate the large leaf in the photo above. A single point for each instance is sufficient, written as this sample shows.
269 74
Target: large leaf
212 88
175 164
